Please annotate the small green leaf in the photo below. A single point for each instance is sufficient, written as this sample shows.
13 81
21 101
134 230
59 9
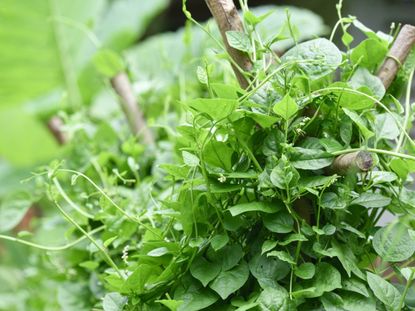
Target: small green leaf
384 291
305 271
332 201
283 256
219 241
286 108
190 159
316 58
354 285
204 270
268 245
216 108
274 299
228 282
268 270
326 279
386 127
239 40
393 243
202 75
114 302
372 200
108 63
369 53
158 252
172 305
264 207
359 122
280 222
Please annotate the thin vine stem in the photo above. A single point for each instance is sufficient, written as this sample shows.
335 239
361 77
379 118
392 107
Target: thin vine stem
51 248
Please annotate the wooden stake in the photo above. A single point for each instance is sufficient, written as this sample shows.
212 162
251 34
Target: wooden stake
397 55
228 19
359 161
122 86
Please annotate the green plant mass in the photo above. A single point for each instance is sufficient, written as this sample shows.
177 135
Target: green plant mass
245 169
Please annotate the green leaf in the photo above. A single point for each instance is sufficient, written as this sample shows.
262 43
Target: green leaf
274 299
283 256
216 108
202 75
219 241
326 279
280 222
310 159
359 122
286 108
332 201
264 207
354 285
264 120
363 78
268 245
228 256
114 302
172 305
195 300
319 57
384 291
372 200
347 258
108 63
239 40
268 270
158 252
204 270
379 177
386 127
228 282
293 237
393 243
228 91
190 159
369 53
305 271
12 211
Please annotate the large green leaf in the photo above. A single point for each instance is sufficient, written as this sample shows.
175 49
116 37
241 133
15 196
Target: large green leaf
393 243
384 291
46 45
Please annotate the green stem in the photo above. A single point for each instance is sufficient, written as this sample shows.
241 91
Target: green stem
49 248
405 292
407 112
131 218
93 241
380 151
68 200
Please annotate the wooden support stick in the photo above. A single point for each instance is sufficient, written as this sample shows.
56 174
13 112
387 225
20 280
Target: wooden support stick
359 161
228 19
55 125
397 55
122 86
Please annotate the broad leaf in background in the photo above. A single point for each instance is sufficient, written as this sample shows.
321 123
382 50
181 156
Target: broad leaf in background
64 36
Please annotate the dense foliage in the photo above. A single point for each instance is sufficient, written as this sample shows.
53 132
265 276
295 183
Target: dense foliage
238 206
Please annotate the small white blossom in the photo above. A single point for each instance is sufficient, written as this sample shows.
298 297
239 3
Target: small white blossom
221 178
124 256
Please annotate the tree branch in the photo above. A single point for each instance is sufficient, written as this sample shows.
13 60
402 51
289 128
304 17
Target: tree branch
397 55
228 19
122 86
